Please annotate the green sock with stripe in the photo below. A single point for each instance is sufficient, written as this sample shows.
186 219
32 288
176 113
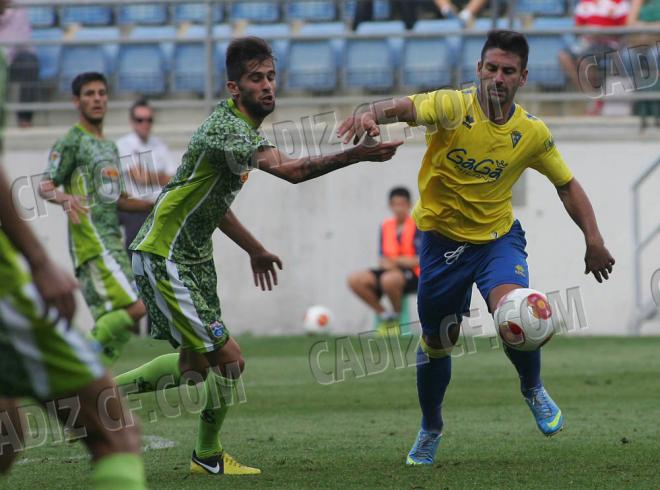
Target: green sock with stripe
219 393
121 470
112 331
163 372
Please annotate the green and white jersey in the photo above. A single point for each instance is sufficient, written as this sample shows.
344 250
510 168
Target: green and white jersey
12 274
89 167
212 172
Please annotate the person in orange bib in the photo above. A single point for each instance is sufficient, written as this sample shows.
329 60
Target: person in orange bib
398 268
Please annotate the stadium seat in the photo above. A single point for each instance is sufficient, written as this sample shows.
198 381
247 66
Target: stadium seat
86 15
99 57
312 11
381 10
372 63
196 13
543 65
189 60
145 14
313 64
541 7
280 46
255 11
440 27
312 67
41 16
143 67
427 63
49 56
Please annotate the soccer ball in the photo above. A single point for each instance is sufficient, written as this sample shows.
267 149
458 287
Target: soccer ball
523 319
318 320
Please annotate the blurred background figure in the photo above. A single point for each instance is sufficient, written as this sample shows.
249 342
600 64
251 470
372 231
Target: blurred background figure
398 268
408 10
21 59
593 49
646 13
149 167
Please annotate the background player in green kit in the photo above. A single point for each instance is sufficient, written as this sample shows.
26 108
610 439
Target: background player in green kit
41 357
173 254
87 166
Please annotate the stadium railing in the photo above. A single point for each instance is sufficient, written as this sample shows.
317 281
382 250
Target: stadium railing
456 49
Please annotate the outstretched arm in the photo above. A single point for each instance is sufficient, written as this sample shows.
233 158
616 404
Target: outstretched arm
55 286
598 259
133 205
262 261
301 169
367 118
72 205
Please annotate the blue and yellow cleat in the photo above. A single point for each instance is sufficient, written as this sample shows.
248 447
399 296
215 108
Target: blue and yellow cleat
424 449
546 412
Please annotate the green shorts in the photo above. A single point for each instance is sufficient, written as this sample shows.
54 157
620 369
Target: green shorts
107 283
40 356
182 302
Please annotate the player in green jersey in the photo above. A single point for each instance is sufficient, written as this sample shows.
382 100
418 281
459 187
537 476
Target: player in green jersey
173 260
87 166
42 357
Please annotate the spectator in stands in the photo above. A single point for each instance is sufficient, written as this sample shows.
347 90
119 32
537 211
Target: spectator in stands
23 63
585 60
398 269
146 163
646 13
407 10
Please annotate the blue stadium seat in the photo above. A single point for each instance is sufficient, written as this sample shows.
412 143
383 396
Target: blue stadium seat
280 46
143 67
86 15
196 13
381 10
541 7
189 61
313 11
105 36
49 56
440 27
255 11
97 57
427 63
543 65
145 14
41 16
372 63
328 29
312 66
472 44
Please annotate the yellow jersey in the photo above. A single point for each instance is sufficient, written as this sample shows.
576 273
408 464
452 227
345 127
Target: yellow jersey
471 165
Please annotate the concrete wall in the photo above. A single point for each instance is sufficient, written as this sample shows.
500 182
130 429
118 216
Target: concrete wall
326 228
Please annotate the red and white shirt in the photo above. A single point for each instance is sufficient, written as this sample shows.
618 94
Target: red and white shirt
607 13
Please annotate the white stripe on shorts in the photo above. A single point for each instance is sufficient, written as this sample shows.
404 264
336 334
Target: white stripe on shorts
143 264
186 303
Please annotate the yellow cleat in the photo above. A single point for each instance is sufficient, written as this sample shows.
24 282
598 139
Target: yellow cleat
215 466
388 328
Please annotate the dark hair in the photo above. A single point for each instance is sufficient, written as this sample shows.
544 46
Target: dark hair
85 78
141 102
243 50
401 192
510 41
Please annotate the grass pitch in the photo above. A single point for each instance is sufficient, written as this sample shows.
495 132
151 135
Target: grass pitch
355 433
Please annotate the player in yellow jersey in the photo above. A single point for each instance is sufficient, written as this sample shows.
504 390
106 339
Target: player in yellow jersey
479 143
